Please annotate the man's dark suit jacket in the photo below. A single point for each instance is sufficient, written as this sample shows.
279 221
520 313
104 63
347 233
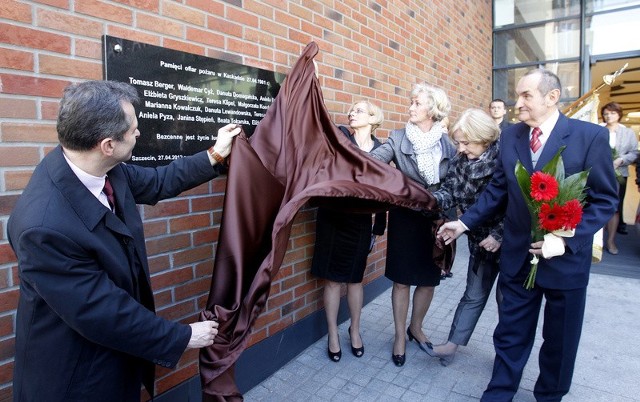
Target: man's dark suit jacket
586 145
504 124
86 328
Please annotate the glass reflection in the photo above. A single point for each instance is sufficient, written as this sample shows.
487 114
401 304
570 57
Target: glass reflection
612 32
509 12
553 40
607 5
505 80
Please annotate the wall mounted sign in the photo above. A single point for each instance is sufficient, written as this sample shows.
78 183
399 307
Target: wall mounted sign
185 98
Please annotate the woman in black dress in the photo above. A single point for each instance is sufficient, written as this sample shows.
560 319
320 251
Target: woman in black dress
343 241
422 151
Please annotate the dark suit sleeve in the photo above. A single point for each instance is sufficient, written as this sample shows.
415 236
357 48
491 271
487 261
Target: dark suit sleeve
150 185
83 295
602 193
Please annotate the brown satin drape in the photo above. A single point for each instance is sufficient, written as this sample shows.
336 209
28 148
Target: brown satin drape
295 154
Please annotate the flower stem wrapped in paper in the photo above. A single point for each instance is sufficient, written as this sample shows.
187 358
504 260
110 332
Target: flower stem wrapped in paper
555 205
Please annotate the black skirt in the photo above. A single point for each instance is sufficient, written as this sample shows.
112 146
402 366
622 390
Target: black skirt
410 241
342 245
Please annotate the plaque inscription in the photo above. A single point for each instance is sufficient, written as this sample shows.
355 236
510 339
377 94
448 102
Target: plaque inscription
185 98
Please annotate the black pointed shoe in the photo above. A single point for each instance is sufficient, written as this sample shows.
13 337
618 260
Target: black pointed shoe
427 347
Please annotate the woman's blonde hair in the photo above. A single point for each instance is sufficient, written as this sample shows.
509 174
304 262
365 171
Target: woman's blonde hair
373 110
477 126
439 105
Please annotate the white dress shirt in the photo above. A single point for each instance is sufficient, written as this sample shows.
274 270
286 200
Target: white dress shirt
93 183
546 128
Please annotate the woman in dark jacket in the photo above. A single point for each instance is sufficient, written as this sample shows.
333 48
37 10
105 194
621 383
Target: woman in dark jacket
422 151
475 135
343 241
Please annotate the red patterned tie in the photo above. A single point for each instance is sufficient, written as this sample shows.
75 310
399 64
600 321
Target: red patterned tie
108 191
535 143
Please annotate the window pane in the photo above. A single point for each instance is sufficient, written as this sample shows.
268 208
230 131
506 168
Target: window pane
603 5
613 32
505 80
509 12
554 40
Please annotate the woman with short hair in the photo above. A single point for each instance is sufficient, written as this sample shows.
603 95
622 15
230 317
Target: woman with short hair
475 134
344 239
421 151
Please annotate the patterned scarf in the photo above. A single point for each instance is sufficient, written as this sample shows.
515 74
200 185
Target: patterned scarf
428 150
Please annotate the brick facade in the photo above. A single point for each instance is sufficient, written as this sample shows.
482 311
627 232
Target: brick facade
368 49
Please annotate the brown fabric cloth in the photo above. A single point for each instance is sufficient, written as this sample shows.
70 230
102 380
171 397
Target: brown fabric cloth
443 255
295 154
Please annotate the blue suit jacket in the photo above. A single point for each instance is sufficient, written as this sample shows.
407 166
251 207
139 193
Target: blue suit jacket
587 147
86 327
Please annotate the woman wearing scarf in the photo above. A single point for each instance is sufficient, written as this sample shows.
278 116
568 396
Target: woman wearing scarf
344 239
422 152
475 134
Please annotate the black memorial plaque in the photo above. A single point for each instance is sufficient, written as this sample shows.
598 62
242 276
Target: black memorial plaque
185 98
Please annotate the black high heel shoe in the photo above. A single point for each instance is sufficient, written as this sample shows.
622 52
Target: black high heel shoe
334 356
427 347
398 360
357 352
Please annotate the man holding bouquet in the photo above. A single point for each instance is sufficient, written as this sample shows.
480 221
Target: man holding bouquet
562 278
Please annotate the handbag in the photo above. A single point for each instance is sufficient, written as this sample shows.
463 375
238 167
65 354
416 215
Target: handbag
443 254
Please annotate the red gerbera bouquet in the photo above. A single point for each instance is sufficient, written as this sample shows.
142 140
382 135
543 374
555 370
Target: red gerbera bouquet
554 202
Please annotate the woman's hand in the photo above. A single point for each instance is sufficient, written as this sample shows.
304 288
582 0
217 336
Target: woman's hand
617 163
490 244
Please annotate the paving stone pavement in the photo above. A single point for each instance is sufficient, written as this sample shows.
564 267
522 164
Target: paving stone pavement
607 367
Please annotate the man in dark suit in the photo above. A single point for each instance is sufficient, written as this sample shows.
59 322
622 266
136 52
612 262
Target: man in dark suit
498 111
562 280
86 328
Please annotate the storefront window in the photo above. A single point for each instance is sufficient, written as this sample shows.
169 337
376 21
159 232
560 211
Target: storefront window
509 12
614 32
554 40
505 80
535 32
607 5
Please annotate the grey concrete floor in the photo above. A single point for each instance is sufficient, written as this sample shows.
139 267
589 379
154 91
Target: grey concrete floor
607 367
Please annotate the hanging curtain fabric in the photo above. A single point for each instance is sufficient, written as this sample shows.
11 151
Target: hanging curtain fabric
296 155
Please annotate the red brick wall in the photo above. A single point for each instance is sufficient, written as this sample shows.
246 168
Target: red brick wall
369 49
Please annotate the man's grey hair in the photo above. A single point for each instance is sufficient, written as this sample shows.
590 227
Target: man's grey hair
91 111
548 80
